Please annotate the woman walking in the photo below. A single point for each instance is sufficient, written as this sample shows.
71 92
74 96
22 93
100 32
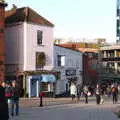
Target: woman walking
73 91
85 90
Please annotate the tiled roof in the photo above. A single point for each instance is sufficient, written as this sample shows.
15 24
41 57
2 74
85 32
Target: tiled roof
25 14
77 47
67 48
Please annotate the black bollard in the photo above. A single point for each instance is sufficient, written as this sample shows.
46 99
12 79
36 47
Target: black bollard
41 100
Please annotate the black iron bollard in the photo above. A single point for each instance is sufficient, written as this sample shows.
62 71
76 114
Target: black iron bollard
41 100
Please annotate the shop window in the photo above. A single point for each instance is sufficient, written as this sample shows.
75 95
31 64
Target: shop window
44 87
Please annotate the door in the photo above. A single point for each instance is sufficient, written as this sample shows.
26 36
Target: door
33 87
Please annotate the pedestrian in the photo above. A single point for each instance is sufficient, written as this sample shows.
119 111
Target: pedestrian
114 90
109 91
79 90
4 113
15 99
97 92
8 92
118 91
85 90
41 98
102 94
73 91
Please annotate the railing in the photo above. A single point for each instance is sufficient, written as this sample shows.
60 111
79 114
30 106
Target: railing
111 59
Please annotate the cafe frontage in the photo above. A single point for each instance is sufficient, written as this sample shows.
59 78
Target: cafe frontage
67 77
40 83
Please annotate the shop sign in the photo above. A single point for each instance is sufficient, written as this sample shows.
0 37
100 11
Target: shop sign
70 72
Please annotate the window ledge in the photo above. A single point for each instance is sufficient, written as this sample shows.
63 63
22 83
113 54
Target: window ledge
61 66
40 45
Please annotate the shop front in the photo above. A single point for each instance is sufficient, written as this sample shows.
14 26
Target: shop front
71 76
40 83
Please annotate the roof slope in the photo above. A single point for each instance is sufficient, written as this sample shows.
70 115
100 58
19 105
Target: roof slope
79 47
25 14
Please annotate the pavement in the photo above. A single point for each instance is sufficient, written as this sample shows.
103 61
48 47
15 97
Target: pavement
34 102
68 111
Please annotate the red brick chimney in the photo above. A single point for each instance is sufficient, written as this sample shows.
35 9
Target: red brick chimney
2 41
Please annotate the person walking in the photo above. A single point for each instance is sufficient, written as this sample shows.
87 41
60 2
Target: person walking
98 93
73 91
102 94
85 90
114 90
8 92
109 91
4 113
79 90
15 99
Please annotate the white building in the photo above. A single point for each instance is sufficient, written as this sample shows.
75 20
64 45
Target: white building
29 46
69 63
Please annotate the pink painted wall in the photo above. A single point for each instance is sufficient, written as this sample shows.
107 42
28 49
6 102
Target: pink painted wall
21 46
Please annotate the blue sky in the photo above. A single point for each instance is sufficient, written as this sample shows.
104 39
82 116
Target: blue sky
76 18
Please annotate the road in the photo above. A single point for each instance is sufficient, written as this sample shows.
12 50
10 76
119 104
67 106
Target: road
74 111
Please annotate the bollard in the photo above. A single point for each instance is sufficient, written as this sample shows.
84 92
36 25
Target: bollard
41 99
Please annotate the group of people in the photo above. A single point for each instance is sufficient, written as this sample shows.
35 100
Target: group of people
9 99
99 91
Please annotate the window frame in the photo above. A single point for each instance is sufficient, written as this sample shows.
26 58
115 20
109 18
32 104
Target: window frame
39 37
59 60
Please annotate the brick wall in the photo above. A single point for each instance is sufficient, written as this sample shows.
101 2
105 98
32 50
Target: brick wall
2 44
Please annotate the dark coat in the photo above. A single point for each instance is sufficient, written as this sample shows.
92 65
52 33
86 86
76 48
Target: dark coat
16 93
4 115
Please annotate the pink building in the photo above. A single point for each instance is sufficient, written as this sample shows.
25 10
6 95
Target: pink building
29 46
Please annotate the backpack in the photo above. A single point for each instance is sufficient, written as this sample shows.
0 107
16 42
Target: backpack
8 92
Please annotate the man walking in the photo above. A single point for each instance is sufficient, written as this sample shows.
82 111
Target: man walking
115 94
15 99
79 90
98 93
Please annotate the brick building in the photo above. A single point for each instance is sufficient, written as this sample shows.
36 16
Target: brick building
2 41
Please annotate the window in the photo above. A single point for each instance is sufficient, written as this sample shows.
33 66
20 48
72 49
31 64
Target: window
44 86
40 59
39 37
61 60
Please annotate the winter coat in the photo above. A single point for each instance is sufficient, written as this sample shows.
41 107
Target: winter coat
15 93
73 90
3 105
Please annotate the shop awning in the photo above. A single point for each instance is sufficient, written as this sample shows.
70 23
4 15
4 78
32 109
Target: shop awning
48 78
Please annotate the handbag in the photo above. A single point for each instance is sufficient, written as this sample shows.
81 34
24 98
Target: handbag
89 93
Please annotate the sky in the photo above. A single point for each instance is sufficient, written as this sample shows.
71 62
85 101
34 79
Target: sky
76 19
